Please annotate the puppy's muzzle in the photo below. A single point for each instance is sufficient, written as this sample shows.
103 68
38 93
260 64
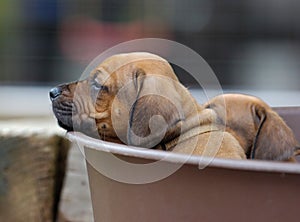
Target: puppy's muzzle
62 106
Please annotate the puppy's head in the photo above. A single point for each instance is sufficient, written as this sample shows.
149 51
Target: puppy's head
132 98
261 131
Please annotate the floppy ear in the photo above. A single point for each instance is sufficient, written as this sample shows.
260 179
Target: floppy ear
153 116
138 77
274 140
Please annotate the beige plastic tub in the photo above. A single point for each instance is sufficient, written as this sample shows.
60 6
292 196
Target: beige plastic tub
225 190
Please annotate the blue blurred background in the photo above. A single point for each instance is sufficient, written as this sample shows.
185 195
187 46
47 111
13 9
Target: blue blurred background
252 44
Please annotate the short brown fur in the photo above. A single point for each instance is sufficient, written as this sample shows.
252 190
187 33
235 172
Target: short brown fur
117 101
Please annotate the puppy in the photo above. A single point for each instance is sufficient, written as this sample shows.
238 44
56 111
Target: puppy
136 99
260 131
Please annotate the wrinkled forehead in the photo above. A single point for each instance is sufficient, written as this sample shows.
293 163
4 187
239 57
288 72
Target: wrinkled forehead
115 62
146 61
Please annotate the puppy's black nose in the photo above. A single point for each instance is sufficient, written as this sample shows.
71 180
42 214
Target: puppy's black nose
55 92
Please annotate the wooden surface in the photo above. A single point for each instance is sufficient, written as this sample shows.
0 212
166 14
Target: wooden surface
32 167
32 161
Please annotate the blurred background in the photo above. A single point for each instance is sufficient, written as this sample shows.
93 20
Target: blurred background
251 44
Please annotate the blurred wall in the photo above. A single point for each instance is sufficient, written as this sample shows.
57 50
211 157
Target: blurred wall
249 44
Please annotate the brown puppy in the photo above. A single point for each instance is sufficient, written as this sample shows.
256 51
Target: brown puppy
136 99
261 132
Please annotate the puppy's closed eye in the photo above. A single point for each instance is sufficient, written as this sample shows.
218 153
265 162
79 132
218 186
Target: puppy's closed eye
97 80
